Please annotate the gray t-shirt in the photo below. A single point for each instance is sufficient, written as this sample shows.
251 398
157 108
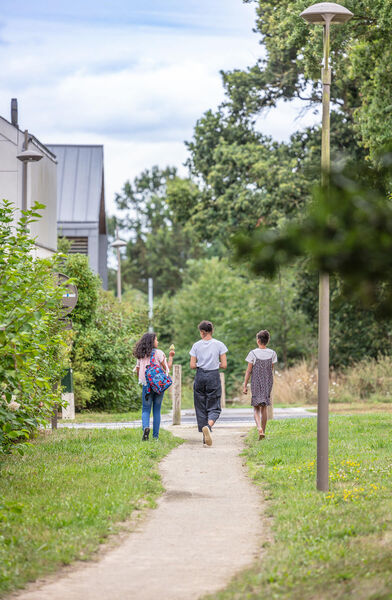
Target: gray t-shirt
207 353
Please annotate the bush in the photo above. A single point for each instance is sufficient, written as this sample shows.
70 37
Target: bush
33 349
88 283
103 359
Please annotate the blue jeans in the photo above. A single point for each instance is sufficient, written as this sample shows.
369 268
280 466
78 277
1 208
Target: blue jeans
155 401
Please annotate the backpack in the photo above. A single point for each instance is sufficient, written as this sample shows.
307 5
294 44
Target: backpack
156 378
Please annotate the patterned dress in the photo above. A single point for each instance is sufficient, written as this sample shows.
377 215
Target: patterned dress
261 383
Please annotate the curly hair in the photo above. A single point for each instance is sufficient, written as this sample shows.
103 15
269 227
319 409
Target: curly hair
145 345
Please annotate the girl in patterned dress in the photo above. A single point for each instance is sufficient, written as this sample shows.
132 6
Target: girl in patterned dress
261 362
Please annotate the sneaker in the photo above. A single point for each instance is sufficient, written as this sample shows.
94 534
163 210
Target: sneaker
146 433
207 436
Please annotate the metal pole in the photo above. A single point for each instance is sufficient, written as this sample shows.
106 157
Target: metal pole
24 172
323 341
150 303
118 274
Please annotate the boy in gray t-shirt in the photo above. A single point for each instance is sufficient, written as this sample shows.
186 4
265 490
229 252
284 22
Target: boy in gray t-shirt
207 356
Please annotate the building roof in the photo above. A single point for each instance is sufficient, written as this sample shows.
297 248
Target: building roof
80 184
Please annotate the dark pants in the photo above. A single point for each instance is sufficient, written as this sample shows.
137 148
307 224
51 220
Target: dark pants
207 393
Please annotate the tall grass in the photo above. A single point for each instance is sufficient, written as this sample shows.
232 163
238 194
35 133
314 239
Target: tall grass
368 380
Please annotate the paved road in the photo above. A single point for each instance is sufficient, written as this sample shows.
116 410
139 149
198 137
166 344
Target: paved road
230 417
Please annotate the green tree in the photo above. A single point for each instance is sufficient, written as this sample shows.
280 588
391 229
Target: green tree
361 59
346 232
33 350
159 244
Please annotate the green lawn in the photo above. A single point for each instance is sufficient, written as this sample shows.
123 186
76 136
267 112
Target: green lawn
333 545
74 488
104 417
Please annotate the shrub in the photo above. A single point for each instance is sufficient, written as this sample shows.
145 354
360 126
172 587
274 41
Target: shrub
32 343
88 283
103 359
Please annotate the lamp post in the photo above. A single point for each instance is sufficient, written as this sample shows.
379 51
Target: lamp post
325 14
25 157
117 244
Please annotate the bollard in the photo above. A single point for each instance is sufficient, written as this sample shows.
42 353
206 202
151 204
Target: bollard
223 386
176 394
68 412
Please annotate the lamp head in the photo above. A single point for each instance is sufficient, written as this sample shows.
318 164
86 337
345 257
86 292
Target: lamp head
118 243
319 14
29 156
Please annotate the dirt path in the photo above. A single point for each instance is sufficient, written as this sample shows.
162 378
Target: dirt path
207 526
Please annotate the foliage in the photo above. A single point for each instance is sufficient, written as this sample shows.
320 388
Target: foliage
239 307
88 283
347 230
159 245
32 341
333 545
58 521
103 360
290 68
106 331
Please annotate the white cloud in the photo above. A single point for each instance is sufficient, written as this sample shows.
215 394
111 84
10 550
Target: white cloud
137 88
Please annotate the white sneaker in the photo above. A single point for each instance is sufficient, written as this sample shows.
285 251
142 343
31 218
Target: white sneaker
207 435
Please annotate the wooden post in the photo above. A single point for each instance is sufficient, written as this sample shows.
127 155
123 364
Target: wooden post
176 394
53 419
223 386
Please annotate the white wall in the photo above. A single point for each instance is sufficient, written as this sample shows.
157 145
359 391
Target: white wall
42 185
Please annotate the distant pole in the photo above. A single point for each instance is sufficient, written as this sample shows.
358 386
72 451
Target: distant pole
24 172
150 304
118 274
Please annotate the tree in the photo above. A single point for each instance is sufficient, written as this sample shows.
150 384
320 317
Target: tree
361 59
33 350
159 244
346 231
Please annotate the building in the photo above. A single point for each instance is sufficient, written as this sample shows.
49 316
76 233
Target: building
81 216
40 183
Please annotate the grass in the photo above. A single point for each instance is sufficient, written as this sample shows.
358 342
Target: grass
88 416
74 488
326 545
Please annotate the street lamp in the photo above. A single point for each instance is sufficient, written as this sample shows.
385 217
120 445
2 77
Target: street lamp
117 244
325 14
25 157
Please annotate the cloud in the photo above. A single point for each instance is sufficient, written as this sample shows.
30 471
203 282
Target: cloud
130 75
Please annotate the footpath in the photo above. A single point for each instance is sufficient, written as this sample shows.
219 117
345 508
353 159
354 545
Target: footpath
208 525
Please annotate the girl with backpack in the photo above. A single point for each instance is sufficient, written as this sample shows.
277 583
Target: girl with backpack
153 373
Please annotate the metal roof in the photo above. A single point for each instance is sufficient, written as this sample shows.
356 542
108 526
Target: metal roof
79 182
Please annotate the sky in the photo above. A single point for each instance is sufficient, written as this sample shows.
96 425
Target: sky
132 75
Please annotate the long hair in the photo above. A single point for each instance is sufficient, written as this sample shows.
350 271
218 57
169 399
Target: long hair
145 345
